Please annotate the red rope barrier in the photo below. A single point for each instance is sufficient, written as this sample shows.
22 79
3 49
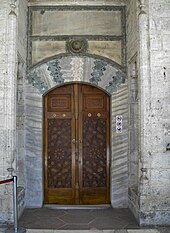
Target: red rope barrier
6 181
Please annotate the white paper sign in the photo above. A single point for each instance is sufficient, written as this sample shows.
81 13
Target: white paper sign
119 119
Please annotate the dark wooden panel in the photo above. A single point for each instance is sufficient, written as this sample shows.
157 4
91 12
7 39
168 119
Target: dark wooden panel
94 152
59 153
59 125
58 115
59 103
91 102
95 146
87 89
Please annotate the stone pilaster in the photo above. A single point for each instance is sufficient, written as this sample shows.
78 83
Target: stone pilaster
154 111
8 128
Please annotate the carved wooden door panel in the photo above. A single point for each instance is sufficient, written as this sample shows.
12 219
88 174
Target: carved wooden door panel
76 145
94 145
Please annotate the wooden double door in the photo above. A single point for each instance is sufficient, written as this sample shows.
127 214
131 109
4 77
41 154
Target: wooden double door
76 145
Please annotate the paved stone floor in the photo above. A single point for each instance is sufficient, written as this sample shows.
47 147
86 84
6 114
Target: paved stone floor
78 219
106 220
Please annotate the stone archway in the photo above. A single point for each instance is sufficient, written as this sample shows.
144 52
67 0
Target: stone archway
67 69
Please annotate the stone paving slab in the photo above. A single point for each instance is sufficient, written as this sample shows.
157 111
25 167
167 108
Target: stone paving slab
96 219
160 230
96 231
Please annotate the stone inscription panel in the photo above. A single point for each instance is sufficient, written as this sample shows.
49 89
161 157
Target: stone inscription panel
44 49
79 22
109 49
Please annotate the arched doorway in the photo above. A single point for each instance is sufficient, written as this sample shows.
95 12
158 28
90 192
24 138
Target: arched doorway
76 145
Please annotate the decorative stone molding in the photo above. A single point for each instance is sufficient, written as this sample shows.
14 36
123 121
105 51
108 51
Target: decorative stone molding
167 129
98 69
20 122
76 68
10 172
54 68
144 178
77 45
13 7
142 7
37 82
116 82
20 91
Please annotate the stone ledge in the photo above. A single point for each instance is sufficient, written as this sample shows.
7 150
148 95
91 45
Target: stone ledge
156 217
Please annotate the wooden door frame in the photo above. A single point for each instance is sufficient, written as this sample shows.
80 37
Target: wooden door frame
88 84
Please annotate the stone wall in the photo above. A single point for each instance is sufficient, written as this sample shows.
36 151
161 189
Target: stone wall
20 99
9 138
133 100
119 166
8 34
155 112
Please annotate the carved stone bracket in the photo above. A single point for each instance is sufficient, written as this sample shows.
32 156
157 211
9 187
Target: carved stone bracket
116 81
98 69
55 71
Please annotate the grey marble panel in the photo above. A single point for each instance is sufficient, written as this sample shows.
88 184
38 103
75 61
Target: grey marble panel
119 174
44 49
52 23
109 49
156 217
33 147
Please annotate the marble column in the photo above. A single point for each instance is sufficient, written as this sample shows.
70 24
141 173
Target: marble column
9 127
145 99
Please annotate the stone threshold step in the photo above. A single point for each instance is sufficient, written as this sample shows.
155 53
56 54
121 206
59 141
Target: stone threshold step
74 207
96 231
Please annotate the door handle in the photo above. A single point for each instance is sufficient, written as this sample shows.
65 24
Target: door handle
74 141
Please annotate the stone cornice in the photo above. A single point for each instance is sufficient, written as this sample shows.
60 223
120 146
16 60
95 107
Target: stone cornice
76 2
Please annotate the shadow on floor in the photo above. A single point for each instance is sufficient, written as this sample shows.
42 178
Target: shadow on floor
78 219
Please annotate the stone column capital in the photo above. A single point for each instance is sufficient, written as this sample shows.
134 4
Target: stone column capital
142 6
12 4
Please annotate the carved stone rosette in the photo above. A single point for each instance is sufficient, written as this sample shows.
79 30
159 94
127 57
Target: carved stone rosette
77 45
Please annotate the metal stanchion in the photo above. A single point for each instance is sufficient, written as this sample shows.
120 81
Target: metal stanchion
15 228
15 204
